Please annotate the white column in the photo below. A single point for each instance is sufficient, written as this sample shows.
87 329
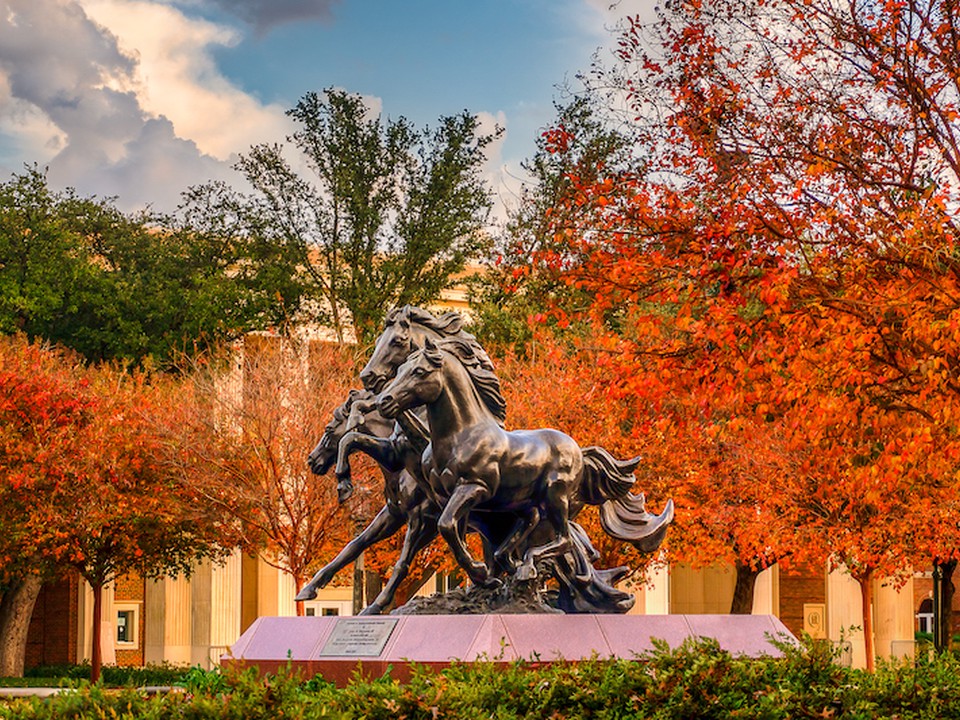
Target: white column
200 613
286 592
656 593
766 592
154 616
844 613
168 621
225 602
894 621
108 626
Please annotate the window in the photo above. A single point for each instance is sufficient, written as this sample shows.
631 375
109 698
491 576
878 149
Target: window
925 616
128 625
310 612
330 611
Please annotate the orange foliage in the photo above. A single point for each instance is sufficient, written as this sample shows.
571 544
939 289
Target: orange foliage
85 478
253 421
780 277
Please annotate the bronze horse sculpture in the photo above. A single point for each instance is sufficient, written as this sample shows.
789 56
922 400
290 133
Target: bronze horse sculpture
515 531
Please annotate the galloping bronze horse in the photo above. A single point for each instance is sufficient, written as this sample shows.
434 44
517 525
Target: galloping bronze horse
476 466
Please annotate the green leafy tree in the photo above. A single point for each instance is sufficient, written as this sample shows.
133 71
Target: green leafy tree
389 214
78 272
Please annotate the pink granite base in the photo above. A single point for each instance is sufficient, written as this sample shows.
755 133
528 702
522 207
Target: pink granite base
438 640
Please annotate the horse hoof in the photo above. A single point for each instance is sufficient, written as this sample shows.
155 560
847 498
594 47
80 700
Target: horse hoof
308 593
491 583
372 609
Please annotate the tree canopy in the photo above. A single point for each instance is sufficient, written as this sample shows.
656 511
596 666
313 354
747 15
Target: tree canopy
89 482
78 272
780 263
382 215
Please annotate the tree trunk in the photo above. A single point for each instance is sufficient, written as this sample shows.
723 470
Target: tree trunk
16 609
96 662
372 585
743 591
298 582
947 590
358 604
866 604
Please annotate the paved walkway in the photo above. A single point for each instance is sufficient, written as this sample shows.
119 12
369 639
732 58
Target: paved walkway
16 692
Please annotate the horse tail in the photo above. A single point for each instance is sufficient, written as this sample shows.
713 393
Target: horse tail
604 477
607 482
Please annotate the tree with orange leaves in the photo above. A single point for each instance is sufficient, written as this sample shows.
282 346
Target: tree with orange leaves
256 417
42 405
787 244
86 483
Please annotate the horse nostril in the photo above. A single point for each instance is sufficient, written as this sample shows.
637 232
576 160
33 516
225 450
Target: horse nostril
368 378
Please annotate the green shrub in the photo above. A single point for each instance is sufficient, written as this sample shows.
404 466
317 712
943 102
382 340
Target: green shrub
113 675
696 680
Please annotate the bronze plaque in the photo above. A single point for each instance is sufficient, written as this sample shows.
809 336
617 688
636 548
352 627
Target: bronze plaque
359 637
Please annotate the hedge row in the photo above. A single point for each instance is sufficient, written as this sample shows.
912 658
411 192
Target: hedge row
111 675
698 680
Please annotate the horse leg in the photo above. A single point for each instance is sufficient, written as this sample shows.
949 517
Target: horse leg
518 535
452 526
558 514
382 526
420 532
382 450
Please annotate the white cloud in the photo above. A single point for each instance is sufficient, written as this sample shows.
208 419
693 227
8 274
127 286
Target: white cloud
155 168
503 180
609 11
121 98
25 131
177 78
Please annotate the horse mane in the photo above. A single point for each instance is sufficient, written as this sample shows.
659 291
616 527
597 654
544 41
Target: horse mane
448 324
478 366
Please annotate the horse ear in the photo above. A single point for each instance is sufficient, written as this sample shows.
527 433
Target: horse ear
430 345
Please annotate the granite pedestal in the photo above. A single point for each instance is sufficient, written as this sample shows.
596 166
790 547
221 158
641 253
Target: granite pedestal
336 647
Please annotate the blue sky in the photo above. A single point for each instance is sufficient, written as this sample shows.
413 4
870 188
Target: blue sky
141 98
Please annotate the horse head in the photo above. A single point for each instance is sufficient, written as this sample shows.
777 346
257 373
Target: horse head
405 329
418 381
358 412
393 346
324 455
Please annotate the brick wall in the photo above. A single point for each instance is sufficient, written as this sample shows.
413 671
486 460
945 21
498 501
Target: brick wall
799 586
132 588
52 638
923 588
